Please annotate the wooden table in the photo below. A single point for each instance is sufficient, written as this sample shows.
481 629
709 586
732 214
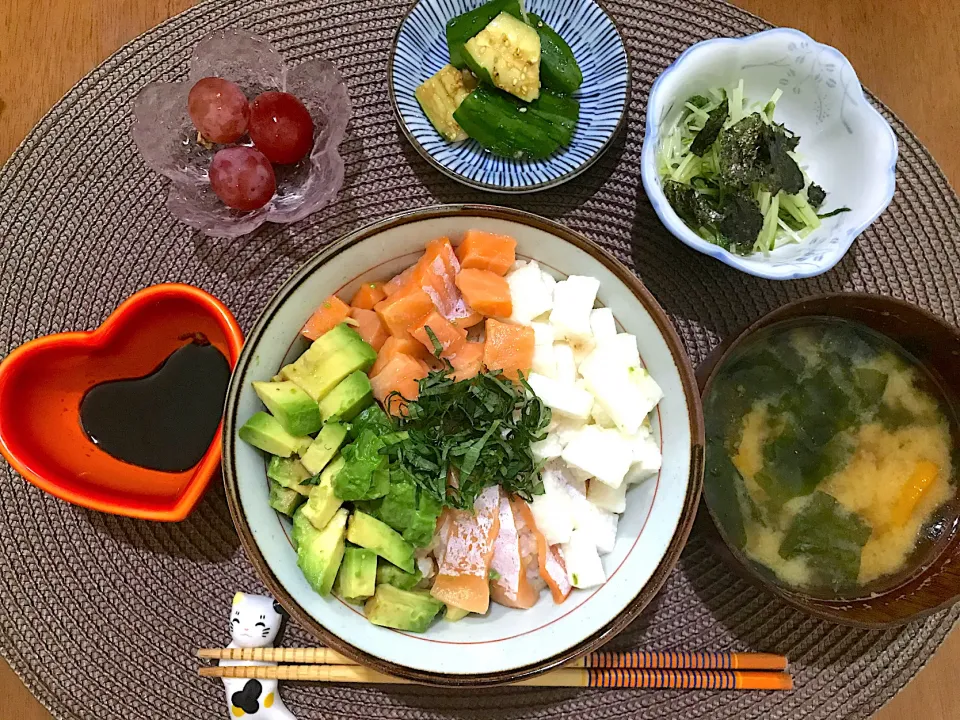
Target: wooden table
906 52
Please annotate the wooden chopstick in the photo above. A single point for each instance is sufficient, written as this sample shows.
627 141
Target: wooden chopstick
565 677
636 659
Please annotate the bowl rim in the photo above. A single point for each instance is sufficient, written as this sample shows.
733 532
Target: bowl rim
490 187
827 609
204 470
679 229
694 482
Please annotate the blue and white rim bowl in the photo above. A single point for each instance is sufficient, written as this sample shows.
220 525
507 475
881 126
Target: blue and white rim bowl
420 50
846 146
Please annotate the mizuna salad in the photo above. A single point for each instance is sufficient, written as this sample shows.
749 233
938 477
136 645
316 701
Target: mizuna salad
462 433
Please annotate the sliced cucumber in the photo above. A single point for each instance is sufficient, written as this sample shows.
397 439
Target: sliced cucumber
506 53
558 67
441 95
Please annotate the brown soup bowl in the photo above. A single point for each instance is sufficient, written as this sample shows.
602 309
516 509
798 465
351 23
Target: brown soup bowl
933 582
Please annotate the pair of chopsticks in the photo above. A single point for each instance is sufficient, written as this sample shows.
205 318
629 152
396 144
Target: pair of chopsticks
636 669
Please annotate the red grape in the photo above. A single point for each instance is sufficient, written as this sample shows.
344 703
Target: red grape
281 127
242 177
219 109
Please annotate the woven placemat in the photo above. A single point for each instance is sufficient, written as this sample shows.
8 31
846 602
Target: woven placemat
101 615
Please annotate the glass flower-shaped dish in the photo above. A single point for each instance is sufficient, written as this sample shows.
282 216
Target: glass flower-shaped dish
170 144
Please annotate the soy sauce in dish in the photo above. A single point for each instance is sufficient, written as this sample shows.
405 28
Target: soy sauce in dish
165 420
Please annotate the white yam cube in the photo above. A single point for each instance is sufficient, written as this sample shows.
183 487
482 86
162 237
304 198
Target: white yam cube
562 397
599 525
530 295
544 360
573 301
602 453
584 567
602 325
565 429
607 498
647 459
581 349
547 449
612 385
566 363
650 392
626 346
543 333
553 511
601 417
549 281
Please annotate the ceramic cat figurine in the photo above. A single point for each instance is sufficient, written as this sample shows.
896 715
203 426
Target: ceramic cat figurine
254 622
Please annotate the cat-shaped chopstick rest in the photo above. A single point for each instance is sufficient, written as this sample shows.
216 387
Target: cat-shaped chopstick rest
254 622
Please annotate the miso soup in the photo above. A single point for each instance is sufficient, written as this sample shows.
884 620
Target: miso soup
829 457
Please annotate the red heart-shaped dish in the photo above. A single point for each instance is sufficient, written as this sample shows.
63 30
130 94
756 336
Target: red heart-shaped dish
43 382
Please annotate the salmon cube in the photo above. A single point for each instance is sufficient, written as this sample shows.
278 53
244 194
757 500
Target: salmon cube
481 250
331 313
486 292
401 374
450 337
467 361
508 348
463 575
549 557
368 295
511 586
394 345
435 273
401 312
369 326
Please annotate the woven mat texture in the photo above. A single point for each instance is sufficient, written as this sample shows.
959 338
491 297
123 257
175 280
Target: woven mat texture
101 615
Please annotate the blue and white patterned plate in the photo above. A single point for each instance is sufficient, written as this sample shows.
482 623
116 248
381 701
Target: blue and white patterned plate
420 50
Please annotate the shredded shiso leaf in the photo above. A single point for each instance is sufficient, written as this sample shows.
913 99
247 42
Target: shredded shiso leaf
732 174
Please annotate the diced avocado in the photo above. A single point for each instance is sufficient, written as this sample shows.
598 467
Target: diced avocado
323 502
392 575
319 552
506 53
330 358
296 411
289 472
305 442
348 398
265 432
300 525
357 579
441 94
454 613
368 532
284 500
411 610
322 450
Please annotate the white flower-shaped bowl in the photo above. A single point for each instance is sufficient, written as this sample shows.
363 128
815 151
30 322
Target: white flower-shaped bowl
846 146
167 138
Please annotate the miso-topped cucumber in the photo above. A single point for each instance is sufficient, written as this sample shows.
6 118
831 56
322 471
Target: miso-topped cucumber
441 95
513 52
463 27
506 54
